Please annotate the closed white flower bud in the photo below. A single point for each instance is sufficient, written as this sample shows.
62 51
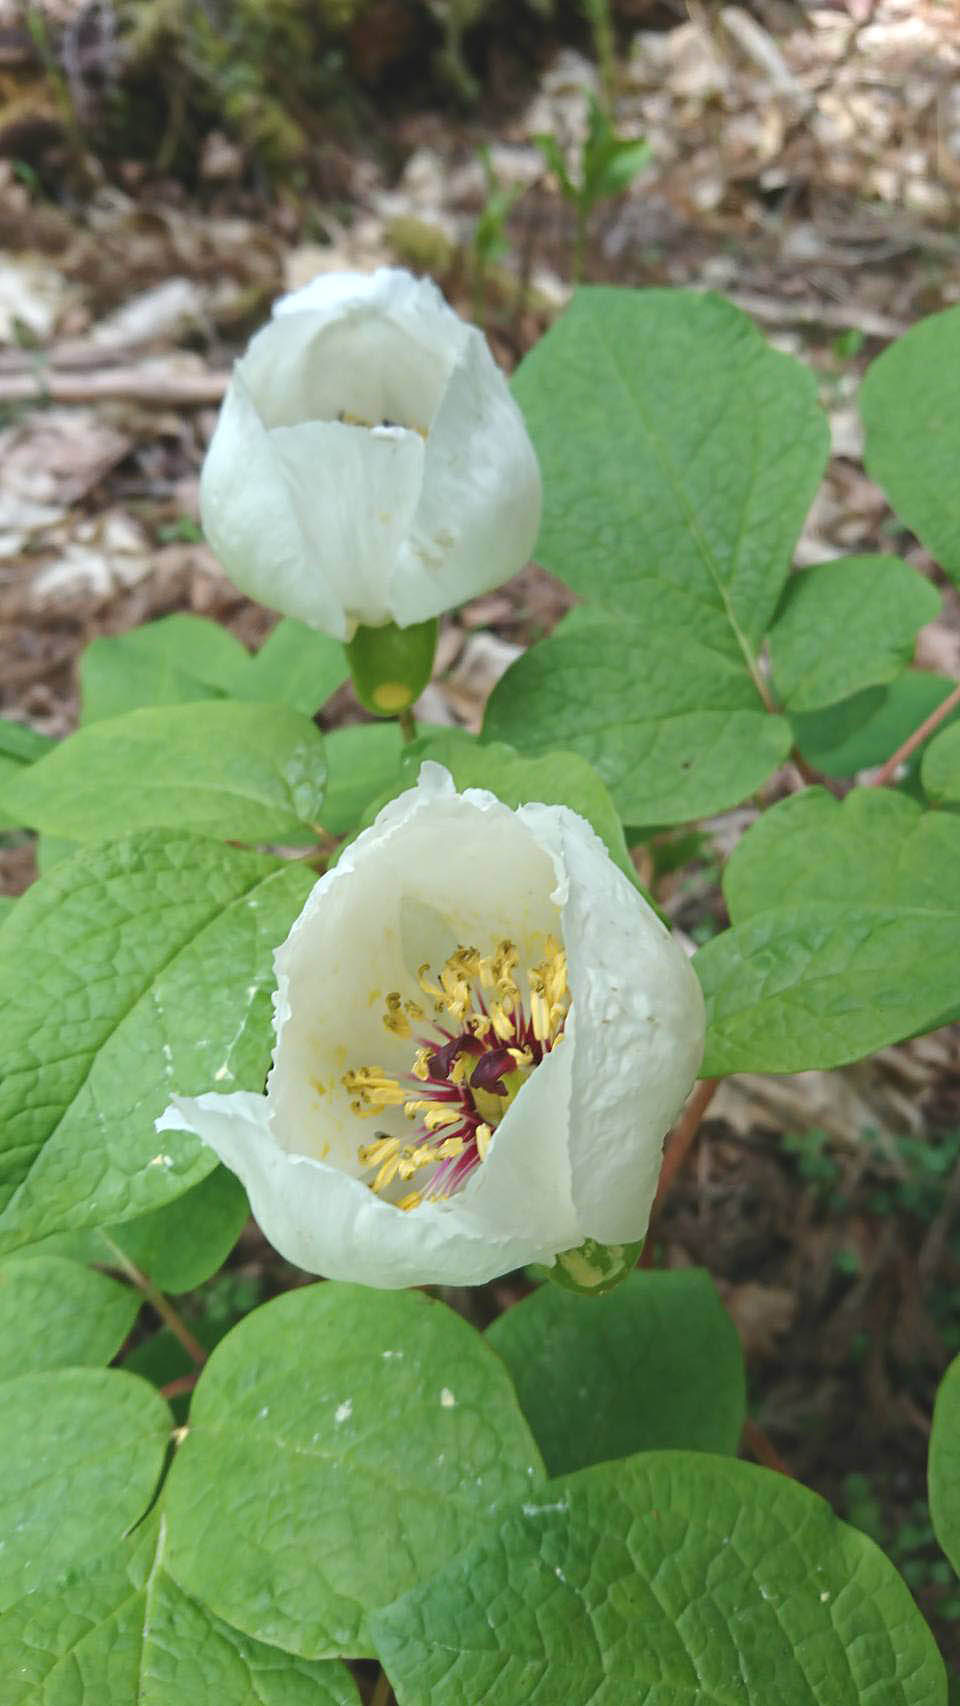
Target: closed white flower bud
483 1033
369 463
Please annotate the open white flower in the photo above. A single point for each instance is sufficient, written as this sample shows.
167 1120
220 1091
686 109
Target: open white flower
369 464
483 1033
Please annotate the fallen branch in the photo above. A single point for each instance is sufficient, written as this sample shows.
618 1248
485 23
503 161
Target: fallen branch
123 384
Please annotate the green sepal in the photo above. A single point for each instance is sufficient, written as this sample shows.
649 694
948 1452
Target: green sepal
593 1269
391 666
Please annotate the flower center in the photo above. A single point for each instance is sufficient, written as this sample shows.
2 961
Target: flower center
486 1040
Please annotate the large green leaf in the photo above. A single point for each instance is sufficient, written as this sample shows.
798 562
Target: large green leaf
149 971
845 626
294 666
673 726
179 1245
945 1465
121 1633
674 1579
117 676
56 1314
680 454
940 769
822 984
875 848
655 1363
363 760
910 404
342 1443
241 772
80 1453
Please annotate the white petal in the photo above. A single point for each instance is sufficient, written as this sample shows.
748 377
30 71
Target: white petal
435 871
303 367
390 289
354 493
638 1040
329 1224
479 513
251 524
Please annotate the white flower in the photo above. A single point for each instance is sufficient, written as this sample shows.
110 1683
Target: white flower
482 1034
369 463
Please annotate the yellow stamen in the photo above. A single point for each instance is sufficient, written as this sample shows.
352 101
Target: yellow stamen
437 1117
395 1019
450 1148
421 1065
413 1200
483 1137
371 1154
387 1173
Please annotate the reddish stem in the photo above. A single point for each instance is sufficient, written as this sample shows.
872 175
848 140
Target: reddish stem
760 1447
177 1388
886 773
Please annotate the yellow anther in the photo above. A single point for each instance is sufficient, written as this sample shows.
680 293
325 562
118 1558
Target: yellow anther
521 1056
412 1200
421 1064
480 1025
459 1069
438 1116
414 1010
450 1148
371 1154
432 989
483 1137
502 1023
387 1173
414 1107
395 1019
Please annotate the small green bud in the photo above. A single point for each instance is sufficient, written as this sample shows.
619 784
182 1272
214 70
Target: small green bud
391 666
593 1268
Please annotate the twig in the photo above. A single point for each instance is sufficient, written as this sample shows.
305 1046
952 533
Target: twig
763 1449
177 1388
886 773
680 1140
122 384
156 1299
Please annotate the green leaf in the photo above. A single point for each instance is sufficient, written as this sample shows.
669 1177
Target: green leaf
944 1466
19 746
294 666
150 971
911 410
655 1363
680 454
875 848
363 761
672 740
120 1631
867 729
204 650
183 1243
845 626
179 1245
940 769
672 1578
813 985
241 772
80 1453
117 676
343 1442
57 1314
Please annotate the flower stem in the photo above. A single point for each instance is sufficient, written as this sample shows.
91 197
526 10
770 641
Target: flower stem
886 773
408 724
157 1301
